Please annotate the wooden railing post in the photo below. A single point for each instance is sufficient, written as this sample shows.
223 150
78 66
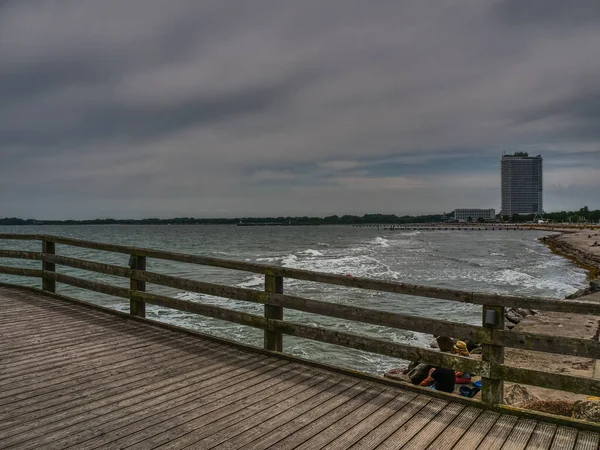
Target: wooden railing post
136 307
274 339
492 388
47 284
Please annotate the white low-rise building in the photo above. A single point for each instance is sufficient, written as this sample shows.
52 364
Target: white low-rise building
474 214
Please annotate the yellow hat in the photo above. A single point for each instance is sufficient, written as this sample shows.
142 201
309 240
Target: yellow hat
461 348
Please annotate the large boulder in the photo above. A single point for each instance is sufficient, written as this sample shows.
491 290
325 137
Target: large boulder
587 410
518 395
512 316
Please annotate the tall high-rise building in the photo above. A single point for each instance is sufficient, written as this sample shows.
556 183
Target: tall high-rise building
522 184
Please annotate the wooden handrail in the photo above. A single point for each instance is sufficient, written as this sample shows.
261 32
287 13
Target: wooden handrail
490 367
478 298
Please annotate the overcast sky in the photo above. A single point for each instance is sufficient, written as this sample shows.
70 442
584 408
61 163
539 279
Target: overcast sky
161 108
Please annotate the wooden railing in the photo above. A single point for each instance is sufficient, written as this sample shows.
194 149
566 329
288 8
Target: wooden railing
491 334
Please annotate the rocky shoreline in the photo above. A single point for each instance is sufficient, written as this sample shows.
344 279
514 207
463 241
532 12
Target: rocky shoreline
578 247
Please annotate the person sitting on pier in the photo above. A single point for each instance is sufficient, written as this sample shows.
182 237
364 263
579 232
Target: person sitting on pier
418 371
440 379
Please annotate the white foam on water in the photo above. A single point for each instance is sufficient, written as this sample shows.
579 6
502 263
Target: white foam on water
311 252
496 254
411 233
190 296
253 281
380 241
323 244
513 277
289 260
273 259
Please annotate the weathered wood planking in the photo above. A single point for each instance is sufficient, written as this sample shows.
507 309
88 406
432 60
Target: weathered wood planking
75 377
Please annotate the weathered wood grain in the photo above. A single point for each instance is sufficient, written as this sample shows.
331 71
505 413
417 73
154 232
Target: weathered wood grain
425 417
520 435
435 427
478 431
587 441
19 254
550 380
497 435
564 439
455 430
542 436
391 414
273 340
129 383
22 272
48 284
492 391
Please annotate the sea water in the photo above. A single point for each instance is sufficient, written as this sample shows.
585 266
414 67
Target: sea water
508 262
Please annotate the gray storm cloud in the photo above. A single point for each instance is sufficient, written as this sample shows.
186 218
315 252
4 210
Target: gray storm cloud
133 108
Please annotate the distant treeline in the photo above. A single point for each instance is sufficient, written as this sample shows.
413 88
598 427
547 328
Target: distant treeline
303 220
584 214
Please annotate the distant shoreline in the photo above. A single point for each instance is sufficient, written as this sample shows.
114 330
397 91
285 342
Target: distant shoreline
334 219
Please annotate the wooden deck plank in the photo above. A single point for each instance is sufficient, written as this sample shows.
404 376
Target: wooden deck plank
375 436
338 428
63 373
477 431
56 401
193 373
435 427
587 441
495 438
83 358
520 435
116 430
132 366
542 436
272 435
99 359
358 431
239 412
76 419
81 352
238 435
49 339
419 421
446 439
230 425
564 439
315 427
180 417
287 420
74 377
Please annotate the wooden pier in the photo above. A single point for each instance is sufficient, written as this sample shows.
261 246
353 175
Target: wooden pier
76 375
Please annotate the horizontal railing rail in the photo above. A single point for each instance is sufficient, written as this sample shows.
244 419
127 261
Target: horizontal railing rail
492 335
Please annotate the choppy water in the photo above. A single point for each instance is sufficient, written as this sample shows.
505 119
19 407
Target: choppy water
511 262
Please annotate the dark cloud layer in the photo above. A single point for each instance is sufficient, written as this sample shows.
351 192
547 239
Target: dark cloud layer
225 108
